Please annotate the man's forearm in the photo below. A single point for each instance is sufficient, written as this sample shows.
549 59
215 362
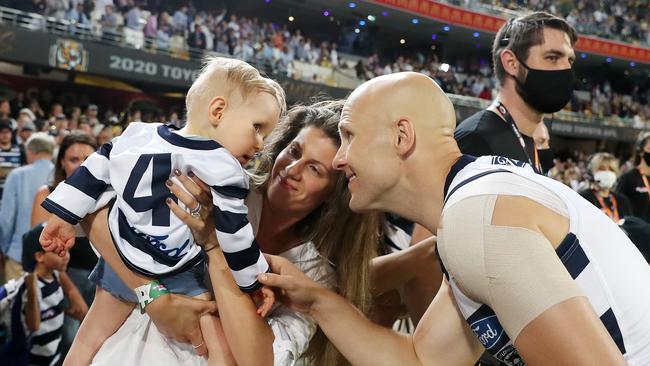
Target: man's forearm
393 270
358 339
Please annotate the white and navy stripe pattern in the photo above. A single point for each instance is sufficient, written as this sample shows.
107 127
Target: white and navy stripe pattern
43 344
596 253
10 158
149 238
397 233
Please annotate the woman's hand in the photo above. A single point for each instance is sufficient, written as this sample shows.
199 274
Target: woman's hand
196 194
177 317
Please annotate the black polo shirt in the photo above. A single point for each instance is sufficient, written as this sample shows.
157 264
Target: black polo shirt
631 185
486 133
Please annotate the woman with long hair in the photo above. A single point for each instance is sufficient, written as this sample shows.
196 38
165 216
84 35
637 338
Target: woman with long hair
298 206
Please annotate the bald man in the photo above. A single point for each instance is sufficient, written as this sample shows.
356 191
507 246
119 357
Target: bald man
534 274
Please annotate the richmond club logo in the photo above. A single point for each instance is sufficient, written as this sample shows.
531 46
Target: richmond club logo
68 55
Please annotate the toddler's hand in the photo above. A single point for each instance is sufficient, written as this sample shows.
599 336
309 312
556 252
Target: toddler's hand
264 299
58 236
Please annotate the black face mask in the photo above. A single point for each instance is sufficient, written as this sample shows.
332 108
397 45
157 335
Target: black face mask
547 91
646 157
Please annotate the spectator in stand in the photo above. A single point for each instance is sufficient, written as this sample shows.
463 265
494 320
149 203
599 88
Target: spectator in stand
77 15
486 94
56 8
603 169
133 17
25 132
635 184
19 192
163 36
105 135
243 50
11 154
5 112
84 126
151 28
196 38
334 56
180 20
109 23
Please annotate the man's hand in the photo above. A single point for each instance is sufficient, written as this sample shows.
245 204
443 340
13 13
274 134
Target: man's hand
298 291
177 317
58 236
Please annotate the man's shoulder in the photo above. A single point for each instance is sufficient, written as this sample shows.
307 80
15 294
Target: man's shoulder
37 165
631 174
480 121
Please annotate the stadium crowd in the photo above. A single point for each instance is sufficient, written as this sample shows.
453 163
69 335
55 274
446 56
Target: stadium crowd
627 21
275 47
43 139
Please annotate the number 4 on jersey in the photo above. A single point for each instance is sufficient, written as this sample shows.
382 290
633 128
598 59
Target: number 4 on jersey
161 170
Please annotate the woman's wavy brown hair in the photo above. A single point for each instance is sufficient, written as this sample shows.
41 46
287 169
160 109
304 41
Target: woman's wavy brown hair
347 239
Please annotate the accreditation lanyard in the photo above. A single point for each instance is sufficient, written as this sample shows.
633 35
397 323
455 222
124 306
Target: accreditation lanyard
504 112
645 182
611 212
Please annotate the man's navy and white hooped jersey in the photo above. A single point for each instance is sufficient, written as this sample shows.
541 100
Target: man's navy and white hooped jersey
397 233
43 344
607 267
149 238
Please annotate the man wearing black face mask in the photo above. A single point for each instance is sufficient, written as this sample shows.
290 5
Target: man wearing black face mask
532 57
635 184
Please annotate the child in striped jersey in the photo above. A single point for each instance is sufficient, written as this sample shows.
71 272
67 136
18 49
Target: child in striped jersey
231 108
36 311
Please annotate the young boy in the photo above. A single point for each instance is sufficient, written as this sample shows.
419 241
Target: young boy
36 310
230 109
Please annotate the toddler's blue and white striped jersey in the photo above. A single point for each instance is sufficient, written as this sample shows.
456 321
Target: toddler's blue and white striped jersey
149 238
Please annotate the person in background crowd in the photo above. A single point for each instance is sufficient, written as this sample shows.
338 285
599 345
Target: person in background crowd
25 132
12 155
105 135
531 85
73 151
16 207
5 112
603 168
635 184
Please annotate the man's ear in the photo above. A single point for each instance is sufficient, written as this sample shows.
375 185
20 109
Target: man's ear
510 62
405 137
216 109
39 256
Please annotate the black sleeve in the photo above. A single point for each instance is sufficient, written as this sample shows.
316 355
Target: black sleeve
623 186
473 144
624 206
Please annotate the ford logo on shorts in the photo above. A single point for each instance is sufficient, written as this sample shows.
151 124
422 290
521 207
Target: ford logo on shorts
488 331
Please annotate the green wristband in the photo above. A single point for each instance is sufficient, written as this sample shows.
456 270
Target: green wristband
149 292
